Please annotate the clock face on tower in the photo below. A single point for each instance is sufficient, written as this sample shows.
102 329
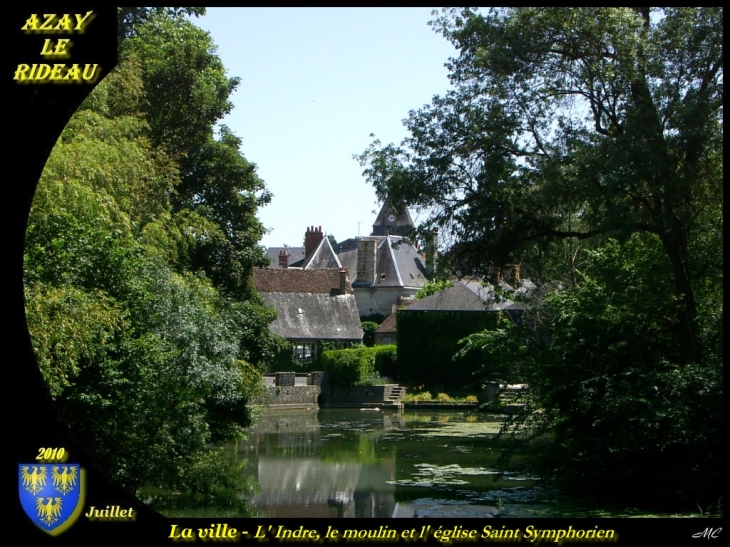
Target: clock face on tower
391 218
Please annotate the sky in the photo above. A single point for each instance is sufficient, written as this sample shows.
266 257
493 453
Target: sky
315 84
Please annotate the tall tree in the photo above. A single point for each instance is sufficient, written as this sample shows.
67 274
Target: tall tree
149 346
129 19
187 92
572 123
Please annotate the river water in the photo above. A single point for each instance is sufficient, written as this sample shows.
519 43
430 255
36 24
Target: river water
416 463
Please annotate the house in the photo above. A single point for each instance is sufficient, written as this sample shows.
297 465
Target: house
314 306
385 266
467 296
316 253
281 257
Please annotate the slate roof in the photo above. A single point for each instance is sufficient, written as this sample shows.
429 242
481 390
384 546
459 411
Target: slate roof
323 256
401 226
398 263
315 316
309 304
295 254
470 296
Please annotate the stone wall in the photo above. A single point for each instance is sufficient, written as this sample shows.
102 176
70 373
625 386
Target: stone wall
389 395
290 390
290 396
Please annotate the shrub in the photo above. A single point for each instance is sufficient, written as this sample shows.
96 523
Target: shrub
368 329
417 397
357 366
386 358
349 367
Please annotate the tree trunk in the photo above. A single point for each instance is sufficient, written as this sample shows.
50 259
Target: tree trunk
690 349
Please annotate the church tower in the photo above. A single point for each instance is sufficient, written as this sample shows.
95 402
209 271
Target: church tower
392 221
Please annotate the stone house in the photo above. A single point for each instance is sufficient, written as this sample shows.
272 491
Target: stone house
383 267
314 306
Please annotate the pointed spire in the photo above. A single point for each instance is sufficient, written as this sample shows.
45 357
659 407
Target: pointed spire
392 220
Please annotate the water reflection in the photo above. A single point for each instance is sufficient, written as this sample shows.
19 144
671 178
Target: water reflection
350 463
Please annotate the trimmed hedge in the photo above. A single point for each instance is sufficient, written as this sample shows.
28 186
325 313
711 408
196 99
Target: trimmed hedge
356 367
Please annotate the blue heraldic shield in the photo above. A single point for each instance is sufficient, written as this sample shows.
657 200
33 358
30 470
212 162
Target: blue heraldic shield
52 494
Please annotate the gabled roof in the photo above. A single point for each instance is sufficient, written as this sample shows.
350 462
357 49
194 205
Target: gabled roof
323 256
281 280
462 296
315 316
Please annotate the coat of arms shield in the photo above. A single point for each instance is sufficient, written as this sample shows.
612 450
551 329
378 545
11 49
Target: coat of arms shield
51 494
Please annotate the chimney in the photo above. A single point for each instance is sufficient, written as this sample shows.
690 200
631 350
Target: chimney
312 238
366 249
343 281
431 253
283 258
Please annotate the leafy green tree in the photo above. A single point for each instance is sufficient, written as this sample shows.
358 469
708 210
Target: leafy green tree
186 93
223 188
186 87
138 256
432 287
611 117
129 19
626 416
506 352
586 144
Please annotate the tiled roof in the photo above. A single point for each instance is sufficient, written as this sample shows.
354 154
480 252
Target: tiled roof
389 325
280 280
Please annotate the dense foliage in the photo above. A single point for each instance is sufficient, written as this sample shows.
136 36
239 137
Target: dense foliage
626 416
386 361
428 341
368 329
585 144
355 366
139 249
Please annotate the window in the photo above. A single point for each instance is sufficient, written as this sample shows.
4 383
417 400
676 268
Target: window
304 351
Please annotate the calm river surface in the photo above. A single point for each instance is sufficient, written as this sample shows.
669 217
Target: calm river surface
418 463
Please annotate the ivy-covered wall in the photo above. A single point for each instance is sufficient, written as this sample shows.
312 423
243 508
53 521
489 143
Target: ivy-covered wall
428 340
